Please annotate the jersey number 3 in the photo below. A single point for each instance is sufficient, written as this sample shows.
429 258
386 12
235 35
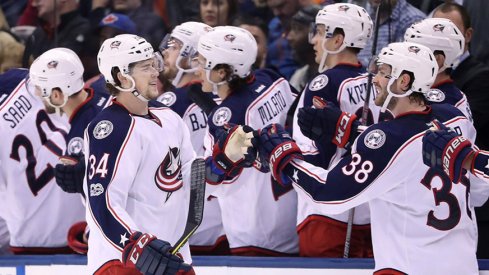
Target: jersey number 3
36 183
444 195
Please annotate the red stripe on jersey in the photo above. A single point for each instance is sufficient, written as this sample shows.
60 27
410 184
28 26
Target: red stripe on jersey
22 83
257 100
303 169
323 181
389 271
258 251
41 250
89 97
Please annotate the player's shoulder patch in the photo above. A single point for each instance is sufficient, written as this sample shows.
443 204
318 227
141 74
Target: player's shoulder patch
168 98
375 139
75 146
103 129
435 95
319 82
221 116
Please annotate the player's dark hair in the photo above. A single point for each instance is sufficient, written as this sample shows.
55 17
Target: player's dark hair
113 91
414 97
351 49
234 81
451 6
246 19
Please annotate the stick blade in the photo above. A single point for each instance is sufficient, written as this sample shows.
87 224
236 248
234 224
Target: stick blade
196 207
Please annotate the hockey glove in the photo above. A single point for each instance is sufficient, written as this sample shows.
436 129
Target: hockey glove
70 172
151 255
276 145
326 122
230 155
77 238
445 150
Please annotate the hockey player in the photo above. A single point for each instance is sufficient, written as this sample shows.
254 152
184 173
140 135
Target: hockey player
254 98
341 31
418 215
58 77
138 168
32 142
447 43
179 51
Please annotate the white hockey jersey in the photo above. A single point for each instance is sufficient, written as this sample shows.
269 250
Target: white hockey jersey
418 216
211 229
256 211
37 212
138 173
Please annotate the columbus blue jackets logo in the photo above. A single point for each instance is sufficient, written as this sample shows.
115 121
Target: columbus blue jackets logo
103 129
168 98
438 28
375 139
318 82
75 146
115 44
435 95
344 8
52 64
414 49
221 116
229 37
168 176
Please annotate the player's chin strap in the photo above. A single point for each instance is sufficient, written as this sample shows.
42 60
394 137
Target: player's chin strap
133 90
322 65
215 86
390 94
181 71
57 108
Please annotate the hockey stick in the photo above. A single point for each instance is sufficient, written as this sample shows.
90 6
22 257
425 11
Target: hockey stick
365 112
196 208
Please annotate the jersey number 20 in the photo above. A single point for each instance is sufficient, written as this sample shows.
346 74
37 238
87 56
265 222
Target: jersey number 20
36 183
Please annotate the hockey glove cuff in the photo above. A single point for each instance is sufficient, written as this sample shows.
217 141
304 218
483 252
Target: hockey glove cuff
76 240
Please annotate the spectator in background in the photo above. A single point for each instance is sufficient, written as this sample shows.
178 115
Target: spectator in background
258 28
279 54
10 52
10 48
111 25
61 25
471 77
12 10
395 17
303 51
176 12
218 12
478 11
148 25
